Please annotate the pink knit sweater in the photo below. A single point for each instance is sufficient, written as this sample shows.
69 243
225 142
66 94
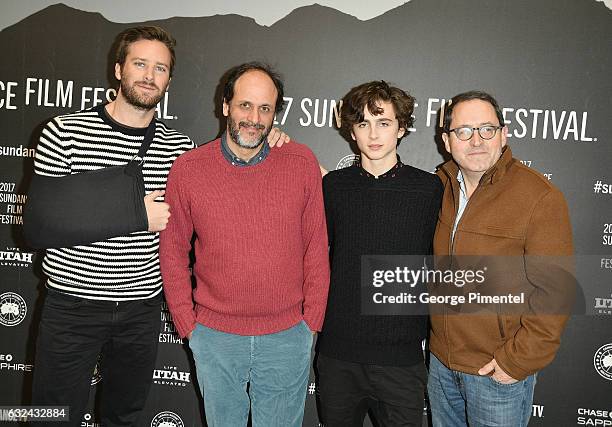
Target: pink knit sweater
261 244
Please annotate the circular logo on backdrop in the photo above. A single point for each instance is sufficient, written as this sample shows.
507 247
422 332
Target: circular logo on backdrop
347 161
13 309
603 361
166 419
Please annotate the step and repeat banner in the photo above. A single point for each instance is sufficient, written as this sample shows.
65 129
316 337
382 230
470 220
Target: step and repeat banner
548 63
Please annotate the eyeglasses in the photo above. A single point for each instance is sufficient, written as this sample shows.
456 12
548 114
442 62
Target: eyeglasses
485 132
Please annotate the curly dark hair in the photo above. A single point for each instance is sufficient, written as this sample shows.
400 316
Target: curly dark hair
130 35
370 95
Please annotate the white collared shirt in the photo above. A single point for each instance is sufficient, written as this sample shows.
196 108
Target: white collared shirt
463 200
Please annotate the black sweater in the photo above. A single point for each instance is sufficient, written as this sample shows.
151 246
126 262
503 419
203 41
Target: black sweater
394 214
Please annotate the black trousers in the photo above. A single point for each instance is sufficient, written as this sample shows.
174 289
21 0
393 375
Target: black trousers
73 333
347 390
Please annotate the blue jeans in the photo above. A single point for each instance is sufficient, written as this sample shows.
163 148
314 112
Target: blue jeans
276 366
460 399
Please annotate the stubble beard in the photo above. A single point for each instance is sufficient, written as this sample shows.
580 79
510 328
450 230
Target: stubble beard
234 131
141 102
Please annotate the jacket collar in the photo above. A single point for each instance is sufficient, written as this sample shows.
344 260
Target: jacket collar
493 175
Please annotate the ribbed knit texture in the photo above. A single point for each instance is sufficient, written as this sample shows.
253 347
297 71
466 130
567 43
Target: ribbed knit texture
393 215
261 246
120 268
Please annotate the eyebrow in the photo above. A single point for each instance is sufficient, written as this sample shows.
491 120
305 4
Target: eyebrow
382 119
241 101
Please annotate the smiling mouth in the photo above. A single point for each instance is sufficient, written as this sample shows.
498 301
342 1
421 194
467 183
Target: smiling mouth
249 130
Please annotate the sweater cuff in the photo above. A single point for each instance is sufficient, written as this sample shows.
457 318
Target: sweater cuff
314 320
184 323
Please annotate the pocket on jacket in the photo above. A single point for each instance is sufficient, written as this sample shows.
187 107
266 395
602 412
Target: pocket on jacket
500 324
500 232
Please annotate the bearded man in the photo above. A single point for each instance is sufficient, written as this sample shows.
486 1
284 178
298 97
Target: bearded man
261 269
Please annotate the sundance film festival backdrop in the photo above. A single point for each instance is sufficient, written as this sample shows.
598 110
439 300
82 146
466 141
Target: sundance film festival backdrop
548 62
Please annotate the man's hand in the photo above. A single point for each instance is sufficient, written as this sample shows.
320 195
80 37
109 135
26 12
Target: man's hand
277 137
189 335
157 212
498 373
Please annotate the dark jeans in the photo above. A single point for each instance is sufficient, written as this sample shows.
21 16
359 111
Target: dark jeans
73 333
347 390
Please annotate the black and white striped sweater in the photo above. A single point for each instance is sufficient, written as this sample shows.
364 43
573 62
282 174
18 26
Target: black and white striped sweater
124 267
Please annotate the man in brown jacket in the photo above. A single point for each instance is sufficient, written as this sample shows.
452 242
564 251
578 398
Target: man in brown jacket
483 366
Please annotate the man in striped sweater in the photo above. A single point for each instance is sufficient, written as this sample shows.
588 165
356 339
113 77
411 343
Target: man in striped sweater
261 269
104 297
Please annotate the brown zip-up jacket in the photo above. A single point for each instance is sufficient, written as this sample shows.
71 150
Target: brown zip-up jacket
514 212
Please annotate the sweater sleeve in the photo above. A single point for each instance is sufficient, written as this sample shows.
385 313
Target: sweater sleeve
316 259
550 270
53 150
174 248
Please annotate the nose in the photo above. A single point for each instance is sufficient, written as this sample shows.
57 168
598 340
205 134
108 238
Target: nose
476 140
148 73
253 116
373 132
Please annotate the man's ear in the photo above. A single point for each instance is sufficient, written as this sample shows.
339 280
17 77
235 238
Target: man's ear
504 136
118 71
400 132
225 108
353 136
446 142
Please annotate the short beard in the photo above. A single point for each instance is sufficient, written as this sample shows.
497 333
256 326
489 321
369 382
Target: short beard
234 131
140 102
